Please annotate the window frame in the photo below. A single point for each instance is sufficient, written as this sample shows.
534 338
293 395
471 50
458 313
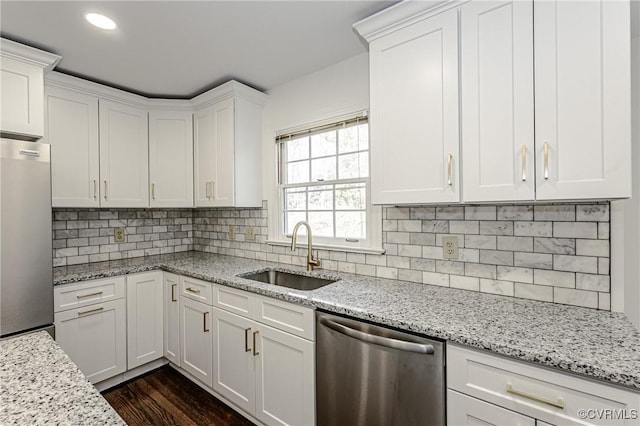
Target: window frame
372 243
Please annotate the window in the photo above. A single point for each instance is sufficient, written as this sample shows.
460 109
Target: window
324 180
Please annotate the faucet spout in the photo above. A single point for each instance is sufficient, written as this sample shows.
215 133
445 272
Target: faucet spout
311 262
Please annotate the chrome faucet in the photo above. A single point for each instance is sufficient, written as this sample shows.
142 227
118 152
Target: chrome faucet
311 262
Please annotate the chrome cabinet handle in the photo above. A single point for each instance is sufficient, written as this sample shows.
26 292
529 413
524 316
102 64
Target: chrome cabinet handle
105 189
378 340
524 163
559 403
153 191
193 290
246 340
173 293
255 352
204 322
546 160
95 189
91 311
82 296
449 160
208 194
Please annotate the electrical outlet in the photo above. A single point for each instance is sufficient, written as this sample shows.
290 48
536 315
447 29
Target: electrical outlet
249 234
232 233
118 235
450 247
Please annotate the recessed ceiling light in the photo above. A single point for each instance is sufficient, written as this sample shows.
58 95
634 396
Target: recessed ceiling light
100 21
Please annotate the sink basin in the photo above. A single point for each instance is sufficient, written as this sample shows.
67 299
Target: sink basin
288 279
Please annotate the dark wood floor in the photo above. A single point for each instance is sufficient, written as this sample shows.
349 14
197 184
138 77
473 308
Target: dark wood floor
165 397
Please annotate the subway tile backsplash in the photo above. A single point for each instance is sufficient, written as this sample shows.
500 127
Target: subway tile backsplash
555 253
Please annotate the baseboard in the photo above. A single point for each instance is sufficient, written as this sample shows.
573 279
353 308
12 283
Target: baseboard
130 375
217 395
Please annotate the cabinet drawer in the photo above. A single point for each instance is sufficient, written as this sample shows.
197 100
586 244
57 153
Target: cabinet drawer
71 296
196 289
534 391
236 301
465 410
294 319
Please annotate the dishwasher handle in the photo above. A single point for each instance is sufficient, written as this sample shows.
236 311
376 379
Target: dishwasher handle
387 342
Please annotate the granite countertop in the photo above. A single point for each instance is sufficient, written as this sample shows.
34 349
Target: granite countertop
597 344
39 384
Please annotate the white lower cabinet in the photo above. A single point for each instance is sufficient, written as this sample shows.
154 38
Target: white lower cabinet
95 338
145 317
488 389
196 339
171 283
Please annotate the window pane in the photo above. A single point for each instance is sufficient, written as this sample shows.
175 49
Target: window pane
298 172
321 223
350 197
351 224
320 200
291 218
323 169
323 144
295 199
353 165
298 149
353 138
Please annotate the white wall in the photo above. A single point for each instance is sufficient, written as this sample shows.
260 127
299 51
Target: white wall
331 92
632 206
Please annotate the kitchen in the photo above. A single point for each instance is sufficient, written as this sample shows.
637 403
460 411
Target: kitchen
495 248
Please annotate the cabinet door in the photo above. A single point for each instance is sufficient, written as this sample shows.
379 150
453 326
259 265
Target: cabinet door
196 339
95 338
72 130
124 155
463 410
214 155
497 100
582 99
171 158
285 378
145 316
21 98
171 318
233 359
414 113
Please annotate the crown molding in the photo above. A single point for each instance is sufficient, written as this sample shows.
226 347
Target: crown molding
29 55
401 15
99 90
227 90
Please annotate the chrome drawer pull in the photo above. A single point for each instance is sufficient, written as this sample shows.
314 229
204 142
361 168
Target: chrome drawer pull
193 290
558 404
91 311
524 163
546 160
82 296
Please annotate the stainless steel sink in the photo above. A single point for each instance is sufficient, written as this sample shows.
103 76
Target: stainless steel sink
287 279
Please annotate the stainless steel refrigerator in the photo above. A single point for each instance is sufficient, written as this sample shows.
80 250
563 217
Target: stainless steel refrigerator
26 270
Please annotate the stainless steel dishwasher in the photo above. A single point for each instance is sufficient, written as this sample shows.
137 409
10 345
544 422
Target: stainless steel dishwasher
372 375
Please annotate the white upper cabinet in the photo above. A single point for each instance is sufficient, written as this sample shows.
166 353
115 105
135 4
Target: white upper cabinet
71 122
171 158
582 100
124 155
496 42
22 89
228 147
414 112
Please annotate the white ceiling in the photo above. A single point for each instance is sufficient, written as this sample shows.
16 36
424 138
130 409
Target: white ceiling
182 48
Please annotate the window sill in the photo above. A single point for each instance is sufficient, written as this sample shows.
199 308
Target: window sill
347 249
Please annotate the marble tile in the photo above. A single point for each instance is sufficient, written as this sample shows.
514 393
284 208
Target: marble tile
410 250
496 228
515 243
592 282
448 267
423 213
496 287
554 278
450 213
480 213
592 248
560 212
469 255
575 263
410 225
422 238
603 231
495 257
603 266
533 229
509 273
464 227
533 260
435 278
575 230
534 292
410 275
435 226
588 299
480 270
554 245
488 242
592 213
398 213
385 272
423 264
604 301
465 283
398 237
515 212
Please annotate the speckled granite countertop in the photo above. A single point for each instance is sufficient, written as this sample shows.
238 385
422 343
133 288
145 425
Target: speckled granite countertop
39 384
598 344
